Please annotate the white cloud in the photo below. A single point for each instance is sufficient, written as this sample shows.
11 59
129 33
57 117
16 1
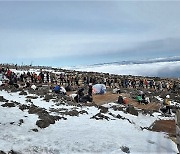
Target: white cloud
161 69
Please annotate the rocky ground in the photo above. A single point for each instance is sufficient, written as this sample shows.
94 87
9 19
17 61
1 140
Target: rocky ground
50 117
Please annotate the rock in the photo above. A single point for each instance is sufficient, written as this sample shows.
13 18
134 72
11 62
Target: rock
35 130
23 107
48 118
28 100
2 152
117 108
23 93
125 149
14 89
42 123
37 110
20 122
42 91
48 97
103 109
16 103
146 111
100 116
32 97
83 111
13 152
173 110
31 91
2 99
123 118
72 113
130 109
8 105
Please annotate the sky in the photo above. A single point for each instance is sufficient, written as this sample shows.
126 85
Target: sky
70 33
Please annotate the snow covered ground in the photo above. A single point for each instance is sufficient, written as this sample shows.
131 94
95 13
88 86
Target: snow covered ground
78 134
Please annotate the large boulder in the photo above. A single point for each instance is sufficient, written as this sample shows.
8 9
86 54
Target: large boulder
48 97
130 109
42 123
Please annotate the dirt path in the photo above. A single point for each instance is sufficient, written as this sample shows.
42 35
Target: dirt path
165 126
109 97
106 98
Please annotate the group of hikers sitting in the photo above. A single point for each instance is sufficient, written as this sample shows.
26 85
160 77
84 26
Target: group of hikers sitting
142 99
80 96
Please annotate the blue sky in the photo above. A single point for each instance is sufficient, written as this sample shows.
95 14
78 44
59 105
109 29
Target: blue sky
86 32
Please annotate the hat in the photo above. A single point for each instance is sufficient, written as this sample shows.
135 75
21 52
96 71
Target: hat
167 96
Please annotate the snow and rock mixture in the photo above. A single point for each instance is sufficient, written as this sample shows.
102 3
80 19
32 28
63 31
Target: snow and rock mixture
42 122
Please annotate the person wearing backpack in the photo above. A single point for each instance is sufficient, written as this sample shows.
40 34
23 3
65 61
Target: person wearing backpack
167 103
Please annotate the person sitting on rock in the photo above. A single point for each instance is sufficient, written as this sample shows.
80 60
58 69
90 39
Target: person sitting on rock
62 90
27 84
80 94
120 100
56 89
116 91
68 88
139 99
145 100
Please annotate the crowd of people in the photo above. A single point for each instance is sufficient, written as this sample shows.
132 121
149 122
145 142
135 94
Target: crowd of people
78 79
62 81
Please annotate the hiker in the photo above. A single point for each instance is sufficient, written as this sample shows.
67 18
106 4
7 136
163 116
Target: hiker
116 91
47 76
41 74
79 95
139 99
33 87
90 90
146 83
145 100
167 103
120 100
81 92
62 90
56 89
68 88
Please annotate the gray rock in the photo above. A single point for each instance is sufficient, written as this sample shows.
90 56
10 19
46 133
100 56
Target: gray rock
42 123
125 149
103 109
130 109
8 105
23 93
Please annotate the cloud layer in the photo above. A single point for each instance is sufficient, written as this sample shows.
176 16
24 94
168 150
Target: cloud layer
160 69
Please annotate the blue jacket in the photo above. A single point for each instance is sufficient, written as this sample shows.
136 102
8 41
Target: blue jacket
57 88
